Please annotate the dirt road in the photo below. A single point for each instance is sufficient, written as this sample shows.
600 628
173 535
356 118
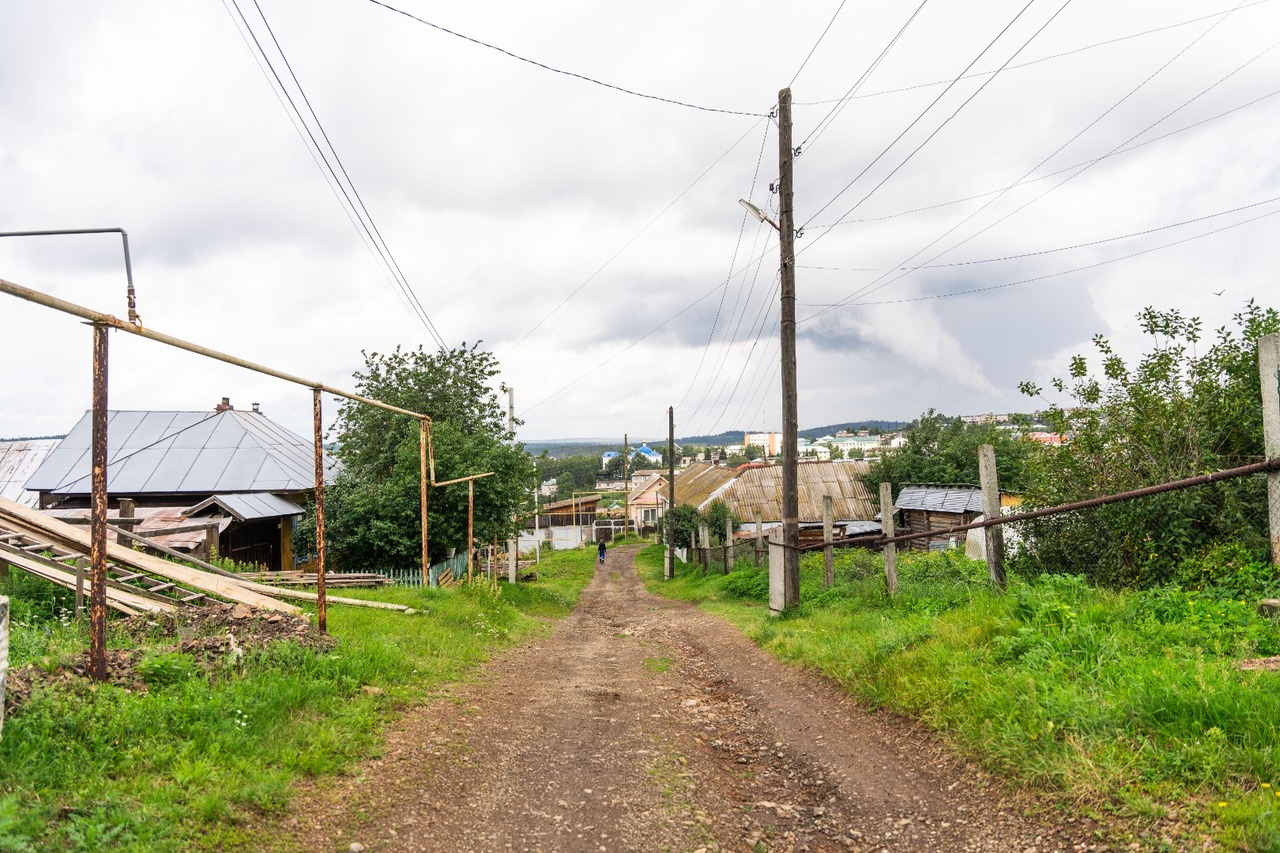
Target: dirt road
645 724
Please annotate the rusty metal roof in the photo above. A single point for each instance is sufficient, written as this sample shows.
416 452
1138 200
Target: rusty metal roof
757 489
183 453
18 461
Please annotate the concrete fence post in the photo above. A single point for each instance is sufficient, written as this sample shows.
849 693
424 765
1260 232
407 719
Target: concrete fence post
777 573
759 549
1269 373
828 553
4 653
890 549
991 510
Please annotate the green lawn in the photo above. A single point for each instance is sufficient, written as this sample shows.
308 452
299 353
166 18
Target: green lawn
1127 704
184 763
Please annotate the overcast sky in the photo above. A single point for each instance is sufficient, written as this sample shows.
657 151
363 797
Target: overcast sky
592 238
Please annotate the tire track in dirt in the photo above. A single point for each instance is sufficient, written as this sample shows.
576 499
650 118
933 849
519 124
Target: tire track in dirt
646 724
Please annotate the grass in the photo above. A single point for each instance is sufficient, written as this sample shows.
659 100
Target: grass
1125 704
183 765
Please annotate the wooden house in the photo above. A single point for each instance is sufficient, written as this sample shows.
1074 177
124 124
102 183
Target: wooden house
936 507
234 474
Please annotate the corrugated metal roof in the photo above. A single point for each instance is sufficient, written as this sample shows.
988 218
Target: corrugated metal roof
936 498
250 506
18 461
758 490
184 453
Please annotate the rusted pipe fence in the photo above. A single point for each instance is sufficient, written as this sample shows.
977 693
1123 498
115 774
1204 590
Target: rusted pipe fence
1133 494
102 323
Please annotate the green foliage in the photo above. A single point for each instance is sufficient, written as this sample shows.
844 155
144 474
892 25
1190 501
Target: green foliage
715 516
1127 702
372 509
1180 411
571 473
685 520
940 449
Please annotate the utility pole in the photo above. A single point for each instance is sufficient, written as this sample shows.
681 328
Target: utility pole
1269 374
671 494
626 484
513 544
790 417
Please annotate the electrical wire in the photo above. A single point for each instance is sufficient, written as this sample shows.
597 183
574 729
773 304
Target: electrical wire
945 121
363 217
732 262
835 111
1046 176
868 288
809 55
1041 252
551 68
1029 63
1065 272
628 244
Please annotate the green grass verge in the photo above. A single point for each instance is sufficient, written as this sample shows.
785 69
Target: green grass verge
1122 703
182 765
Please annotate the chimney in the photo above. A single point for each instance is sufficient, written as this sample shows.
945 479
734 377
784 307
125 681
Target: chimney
224 406
256 410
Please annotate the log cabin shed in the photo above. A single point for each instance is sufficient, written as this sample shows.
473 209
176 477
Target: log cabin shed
934 506
237 470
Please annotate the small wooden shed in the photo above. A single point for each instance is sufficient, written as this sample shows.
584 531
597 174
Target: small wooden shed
935 506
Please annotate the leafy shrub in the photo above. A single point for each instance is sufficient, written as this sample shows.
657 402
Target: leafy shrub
751 584
161 669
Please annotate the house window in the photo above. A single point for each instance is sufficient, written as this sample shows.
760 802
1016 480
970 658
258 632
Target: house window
650 515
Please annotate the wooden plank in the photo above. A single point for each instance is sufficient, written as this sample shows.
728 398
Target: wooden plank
121 600
41 524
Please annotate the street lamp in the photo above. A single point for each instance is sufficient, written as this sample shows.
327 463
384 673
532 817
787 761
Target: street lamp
758 213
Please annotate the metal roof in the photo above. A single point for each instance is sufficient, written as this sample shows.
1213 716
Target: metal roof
936 498
757 489
155 519
18 461
249 506
183 452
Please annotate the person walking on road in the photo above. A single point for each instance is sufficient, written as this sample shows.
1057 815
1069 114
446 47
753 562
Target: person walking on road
600 550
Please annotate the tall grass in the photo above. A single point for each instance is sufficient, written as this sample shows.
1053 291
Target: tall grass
1122 702
183 764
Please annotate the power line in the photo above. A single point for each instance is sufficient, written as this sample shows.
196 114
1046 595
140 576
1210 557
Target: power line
945 121
867 288
362 216
835 111
573 74
809 55
1041 252
1025 181
628 244
1061 273
1029 63
732 263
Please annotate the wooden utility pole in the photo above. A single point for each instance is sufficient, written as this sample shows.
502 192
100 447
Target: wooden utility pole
1269 373
890 549
626 486
513 544
790 416
828 553
759 537
423 483
990 484
322 619
671 494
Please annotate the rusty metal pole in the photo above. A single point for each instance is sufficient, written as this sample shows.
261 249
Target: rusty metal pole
321 565
422 473
471 522
98 511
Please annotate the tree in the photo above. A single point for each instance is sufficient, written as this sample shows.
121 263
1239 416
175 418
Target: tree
752 452
715 515
372 508
940 449
572 473
1175 414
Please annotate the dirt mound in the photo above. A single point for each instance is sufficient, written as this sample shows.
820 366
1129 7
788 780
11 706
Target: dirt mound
208 633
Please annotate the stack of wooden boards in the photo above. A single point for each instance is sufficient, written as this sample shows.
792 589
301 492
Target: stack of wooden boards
331 579
137 582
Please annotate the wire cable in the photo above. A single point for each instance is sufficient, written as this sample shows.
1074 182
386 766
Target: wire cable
809 55
629 243
551 68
